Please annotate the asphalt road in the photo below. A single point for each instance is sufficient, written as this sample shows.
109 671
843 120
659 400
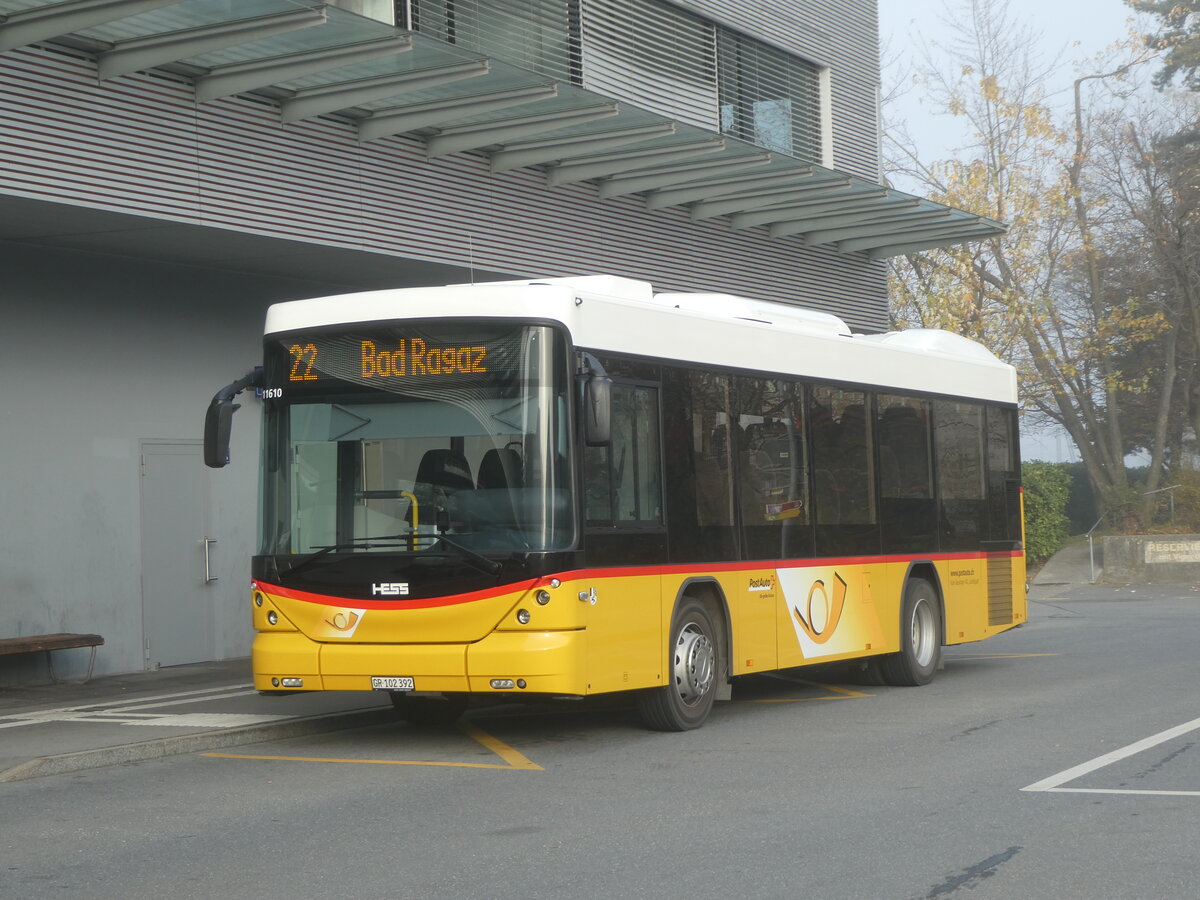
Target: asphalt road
1058 760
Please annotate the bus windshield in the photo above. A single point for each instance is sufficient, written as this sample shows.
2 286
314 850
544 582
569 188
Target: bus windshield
385 439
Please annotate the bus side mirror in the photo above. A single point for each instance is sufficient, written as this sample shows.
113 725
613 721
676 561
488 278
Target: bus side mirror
218 422
597 410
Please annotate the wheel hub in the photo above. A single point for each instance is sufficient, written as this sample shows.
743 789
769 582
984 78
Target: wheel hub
694 664
924 637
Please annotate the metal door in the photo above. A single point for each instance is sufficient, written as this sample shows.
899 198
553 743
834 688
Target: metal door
177 553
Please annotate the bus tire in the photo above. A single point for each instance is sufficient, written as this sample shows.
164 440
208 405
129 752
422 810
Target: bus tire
429 712
920 638
695 667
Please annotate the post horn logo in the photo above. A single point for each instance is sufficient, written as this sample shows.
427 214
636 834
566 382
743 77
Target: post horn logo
824 613
344 620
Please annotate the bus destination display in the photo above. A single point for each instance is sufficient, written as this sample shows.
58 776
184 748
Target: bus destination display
396 359
413 358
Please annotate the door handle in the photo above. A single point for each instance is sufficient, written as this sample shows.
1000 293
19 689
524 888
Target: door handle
209 577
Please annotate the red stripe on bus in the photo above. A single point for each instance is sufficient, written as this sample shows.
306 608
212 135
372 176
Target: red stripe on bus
420 603
626 572
755 565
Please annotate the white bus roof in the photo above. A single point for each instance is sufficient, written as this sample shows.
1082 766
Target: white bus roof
621 315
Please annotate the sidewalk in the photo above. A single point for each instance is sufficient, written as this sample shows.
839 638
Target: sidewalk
1070 565
57 728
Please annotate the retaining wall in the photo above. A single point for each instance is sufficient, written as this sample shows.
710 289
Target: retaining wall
1152 559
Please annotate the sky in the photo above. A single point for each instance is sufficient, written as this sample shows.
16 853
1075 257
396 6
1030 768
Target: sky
1067 30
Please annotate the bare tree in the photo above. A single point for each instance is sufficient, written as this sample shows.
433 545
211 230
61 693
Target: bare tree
1036 296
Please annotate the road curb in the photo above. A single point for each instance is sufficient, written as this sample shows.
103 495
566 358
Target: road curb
100 757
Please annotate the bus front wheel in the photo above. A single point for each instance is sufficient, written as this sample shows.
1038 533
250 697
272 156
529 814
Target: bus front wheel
920 637
695 666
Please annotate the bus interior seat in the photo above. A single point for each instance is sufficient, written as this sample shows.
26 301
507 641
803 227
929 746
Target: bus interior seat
904 433
500 469
445 470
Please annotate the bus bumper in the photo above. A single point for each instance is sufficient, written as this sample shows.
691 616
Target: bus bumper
545 662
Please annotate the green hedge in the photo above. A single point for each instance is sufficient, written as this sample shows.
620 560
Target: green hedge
1047 490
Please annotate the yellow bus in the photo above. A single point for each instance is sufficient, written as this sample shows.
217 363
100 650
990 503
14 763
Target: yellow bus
578 486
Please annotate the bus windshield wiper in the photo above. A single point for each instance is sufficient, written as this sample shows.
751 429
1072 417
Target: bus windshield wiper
365 543
478 560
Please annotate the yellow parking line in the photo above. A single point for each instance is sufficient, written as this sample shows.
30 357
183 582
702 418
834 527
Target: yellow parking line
998 656
513 759
372 762
845 694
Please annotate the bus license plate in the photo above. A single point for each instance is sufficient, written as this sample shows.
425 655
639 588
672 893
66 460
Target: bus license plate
391 683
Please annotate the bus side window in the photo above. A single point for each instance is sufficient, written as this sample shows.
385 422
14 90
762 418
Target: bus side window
1003 487
842 458
958 449
623 481
772 469
908 511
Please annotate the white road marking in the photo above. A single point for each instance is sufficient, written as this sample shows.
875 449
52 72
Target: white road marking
133 712
1054 782
211 694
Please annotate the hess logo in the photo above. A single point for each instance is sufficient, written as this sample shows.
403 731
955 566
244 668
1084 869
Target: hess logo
390 589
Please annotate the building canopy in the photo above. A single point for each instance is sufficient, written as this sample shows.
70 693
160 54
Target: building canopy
309 59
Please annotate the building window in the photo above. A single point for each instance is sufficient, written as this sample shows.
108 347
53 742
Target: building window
649 53
654 55
380 10
768 97
539 35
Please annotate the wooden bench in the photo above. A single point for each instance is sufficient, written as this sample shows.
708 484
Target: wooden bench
35 643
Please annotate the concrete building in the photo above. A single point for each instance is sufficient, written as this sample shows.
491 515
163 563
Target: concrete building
168 168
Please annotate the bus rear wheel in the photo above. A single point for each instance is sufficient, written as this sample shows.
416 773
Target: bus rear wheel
695 662
429 711
920 638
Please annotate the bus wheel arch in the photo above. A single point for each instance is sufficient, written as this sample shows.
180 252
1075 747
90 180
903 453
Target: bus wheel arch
922 631
709 592
696 660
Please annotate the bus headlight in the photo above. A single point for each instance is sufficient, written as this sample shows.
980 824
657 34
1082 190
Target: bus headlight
523 616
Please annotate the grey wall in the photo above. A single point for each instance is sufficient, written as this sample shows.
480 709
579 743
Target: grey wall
141 144
97 353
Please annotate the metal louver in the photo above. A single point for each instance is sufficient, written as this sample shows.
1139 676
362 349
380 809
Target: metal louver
654 55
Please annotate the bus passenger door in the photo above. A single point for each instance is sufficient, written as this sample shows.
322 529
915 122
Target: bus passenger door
626 544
